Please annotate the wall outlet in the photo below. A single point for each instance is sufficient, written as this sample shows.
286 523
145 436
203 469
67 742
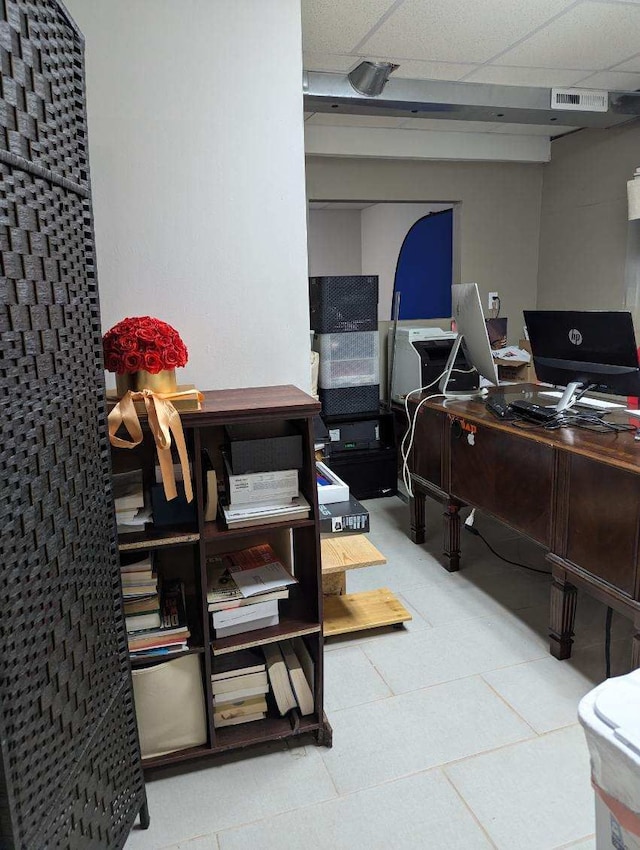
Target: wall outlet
492 296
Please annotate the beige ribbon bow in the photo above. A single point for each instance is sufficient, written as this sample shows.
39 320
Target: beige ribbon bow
164 420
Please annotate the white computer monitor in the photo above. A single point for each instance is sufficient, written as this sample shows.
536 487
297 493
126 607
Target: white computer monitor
472 335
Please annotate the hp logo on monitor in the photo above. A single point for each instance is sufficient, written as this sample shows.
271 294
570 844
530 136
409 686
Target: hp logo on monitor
575 336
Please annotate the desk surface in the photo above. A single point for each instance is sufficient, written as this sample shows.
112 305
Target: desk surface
615 448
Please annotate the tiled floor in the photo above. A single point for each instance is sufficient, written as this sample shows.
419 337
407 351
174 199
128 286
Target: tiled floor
457 732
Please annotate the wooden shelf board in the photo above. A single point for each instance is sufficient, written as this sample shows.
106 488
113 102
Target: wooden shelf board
242 735
354 612
288 628
153 538
152 660
349 552
216 530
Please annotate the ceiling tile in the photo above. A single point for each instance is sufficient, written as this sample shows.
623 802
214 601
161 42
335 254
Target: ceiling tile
612 80
318 205
593 36
336 26
533 129
446 124
539 77
329 62
413 70
457 30
630 65
343 120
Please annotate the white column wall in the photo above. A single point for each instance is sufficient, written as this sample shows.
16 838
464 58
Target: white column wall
197 165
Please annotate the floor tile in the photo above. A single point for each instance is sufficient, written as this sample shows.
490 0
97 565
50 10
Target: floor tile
410 627
205 842
401 735
351 679
482 596
445 653
545 692
588 843
231 791
420 811
534 795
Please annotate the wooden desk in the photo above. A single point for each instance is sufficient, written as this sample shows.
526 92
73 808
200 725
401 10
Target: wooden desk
576 492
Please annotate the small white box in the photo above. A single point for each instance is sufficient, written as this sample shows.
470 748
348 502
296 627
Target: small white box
266 488
335 491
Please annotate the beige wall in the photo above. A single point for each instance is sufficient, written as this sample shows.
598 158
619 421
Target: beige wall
583 228
499 214
334 242
497 232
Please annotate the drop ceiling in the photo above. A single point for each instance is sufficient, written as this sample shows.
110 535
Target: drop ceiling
545 43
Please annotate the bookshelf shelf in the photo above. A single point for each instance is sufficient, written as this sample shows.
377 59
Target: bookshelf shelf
286 629
300 615
155 538
214 531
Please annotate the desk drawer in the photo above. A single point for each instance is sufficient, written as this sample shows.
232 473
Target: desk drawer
507 475
602 521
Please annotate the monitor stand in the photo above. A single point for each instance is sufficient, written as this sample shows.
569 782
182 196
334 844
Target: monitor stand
466 383
573 392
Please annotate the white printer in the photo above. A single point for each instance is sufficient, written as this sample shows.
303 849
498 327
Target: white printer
419 358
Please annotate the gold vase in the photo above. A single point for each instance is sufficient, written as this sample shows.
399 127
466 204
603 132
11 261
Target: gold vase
161 382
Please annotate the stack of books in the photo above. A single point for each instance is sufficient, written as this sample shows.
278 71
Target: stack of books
244 589
258 498
140 588
291 674
240 685
128 496
169 631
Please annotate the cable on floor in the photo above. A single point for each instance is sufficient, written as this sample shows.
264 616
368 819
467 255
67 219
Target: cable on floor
475 531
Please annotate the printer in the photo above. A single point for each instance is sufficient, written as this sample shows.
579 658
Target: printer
420 357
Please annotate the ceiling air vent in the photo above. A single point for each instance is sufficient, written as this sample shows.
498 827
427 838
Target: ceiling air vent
583 100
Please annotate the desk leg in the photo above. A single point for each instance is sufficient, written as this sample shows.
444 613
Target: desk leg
452 537
417 505
563 614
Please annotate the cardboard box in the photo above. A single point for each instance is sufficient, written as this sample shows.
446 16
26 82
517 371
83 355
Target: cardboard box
518 371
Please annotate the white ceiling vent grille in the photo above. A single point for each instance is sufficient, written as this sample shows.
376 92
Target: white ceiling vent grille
582 100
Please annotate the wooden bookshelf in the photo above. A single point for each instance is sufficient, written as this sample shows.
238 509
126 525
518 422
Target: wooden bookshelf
300 615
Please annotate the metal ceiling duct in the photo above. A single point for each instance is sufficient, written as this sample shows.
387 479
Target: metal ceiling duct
461 101
369 78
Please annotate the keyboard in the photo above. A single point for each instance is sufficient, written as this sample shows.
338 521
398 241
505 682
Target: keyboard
534 412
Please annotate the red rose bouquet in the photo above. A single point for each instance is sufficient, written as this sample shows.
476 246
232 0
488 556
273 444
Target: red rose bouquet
143 343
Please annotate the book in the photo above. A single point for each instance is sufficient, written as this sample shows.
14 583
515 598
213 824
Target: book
220 585
146 605
247 516
260 488
234 721
141 577
240 694
172 605
142 622
242 708
305 659
238 683
298 679
243 662
145 640
279 678
257 570
226 605
128 492
136 591
246 614
143 564
253 625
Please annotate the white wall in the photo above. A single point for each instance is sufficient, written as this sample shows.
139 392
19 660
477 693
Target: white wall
196 144
384 228
335 242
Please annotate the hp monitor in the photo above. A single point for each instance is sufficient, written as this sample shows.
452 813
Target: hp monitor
583 350
474 339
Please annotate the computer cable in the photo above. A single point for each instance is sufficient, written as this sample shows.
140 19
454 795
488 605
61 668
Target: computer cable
410 433
469 526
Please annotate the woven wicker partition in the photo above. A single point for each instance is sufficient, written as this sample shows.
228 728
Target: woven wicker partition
70 774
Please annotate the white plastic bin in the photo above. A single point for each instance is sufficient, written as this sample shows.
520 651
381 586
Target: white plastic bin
610 716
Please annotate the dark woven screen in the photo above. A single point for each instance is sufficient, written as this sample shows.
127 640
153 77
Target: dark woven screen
70 775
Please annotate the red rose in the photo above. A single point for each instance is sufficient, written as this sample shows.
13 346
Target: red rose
170 357
132 361
146 332
113 363
152 362
128 343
